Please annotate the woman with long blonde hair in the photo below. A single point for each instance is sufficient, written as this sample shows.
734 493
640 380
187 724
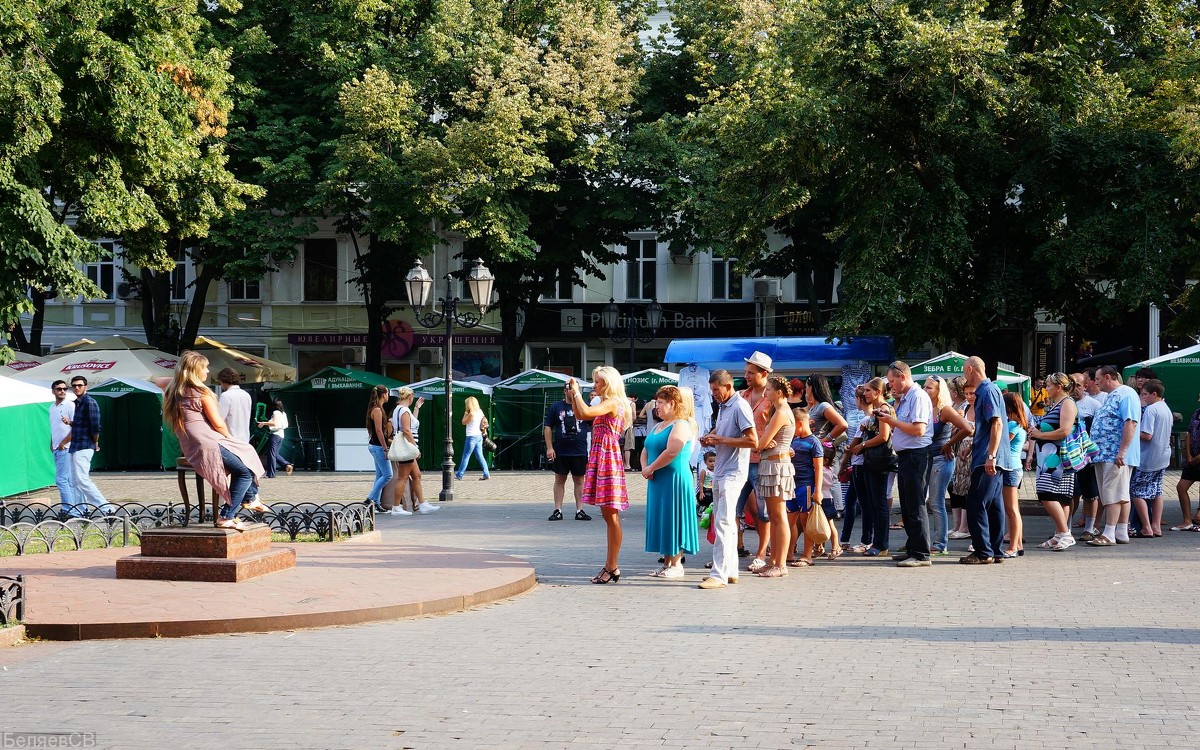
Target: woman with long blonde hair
476 424
407 473
229 465
604 483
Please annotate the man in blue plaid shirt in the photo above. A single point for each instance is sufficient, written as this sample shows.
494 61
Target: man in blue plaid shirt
85 441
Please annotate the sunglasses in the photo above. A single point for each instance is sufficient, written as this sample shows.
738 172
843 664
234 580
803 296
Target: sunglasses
79 385
62 388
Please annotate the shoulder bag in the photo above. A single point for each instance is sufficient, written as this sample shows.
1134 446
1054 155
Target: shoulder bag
879 458
401 450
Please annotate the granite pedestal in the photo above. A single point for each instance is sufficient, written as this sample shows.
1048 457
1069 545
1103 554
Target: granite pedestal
206 554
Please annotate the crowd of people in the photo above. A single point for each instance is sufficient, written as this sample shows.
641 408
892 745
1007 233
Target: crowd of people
781 457
781 454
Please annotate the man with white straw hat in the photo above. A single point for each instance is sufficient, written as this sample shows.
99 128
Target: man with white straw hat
758 367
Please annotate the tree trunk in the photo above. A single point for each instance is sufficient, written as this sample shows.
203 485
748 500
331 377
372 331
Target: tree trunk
376 313
156 318
208 274
514 342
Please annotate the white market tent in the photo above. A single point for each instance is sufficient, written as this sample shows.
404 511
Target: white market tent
113 357
25 416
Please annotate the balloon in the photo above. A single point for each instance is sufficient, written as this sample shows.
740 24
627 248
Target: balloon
1045 427
1052 461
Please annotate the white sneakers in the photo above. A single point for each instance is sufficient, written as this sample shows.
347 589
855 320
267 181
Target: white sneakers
400 511
425 507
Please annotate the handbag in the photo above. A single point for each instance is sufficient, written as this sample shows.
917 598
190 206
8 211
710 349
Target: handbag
879 458
489 445
816 528
1077 450
401 450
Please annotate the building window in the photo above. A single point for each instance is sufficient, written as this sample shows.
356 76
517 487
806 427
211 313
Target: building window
103 272
726 281
561 287
182 276
245 291
320 270
641 269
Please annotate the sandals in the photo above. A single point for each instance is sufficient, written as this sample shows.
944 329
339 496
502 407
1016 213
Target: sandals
235 524
799 562
875 552
1101 541
1184 527
607 576
757 565
258 506
833 554
1141 535
773 571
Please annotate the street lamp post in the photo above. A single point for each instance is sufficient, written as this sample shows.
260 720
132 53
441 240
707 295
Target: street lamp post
420 284
631 328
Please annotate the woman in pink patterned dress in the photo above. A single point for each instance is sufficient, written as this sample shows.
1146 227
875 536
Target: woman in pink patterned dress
604 483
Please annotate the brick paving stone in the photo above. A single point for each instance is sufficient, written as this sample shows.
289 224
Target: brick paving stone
1089 648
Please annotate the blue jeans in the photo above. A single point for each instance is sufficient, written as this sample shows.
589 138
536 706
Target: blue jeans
472 446
241 484
744 496
274 460
64 477
86 491
912 484
985 513
383 472
940 472
857 502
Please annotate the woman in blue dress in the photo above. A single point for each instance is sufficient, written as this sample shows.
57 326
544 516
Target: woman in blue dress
671 528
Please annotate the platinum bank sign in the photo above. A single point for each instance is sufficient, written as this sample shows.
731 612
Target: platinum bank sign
678 321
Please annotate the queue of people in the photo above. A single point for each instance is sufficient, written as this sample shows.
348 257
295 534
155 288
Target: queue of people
959 449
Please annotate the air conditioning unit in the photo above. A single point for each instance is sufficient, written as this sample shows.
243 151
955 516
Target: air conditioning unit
429 355
124 290
354 355
766 289
680 255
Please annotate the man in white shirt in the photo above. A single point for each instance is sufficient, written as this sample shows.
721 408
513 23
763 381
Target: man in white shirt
1146 488
911 438
61 414
234 404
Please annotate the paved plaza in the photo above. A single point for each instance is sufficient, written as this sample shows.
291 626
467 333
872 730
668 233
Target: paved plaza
1089 648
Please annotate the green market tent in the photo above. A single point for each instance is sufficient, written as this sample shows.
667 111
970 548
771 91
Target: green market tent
25 414
520 404
644 384
329 399
1180 373
950 365
132 432
432 438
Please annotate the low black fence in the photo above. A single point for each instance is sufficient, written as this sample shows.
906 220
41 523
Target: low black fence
12 599
43 527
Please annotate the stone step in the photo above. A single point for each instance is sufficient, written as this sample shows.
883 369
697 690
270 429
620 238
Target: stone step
209 569
205 541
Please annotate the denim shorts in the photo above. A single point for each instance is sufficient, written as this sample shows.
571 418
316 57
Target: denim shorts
1012 477
803 501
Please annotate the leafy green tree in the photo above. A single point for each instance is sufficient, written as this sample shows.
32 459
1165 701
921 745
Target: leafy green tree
967 165
494 122
118 116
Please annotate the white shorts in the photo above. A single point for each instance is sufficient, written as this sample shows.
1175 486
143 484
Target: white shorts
1114 483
